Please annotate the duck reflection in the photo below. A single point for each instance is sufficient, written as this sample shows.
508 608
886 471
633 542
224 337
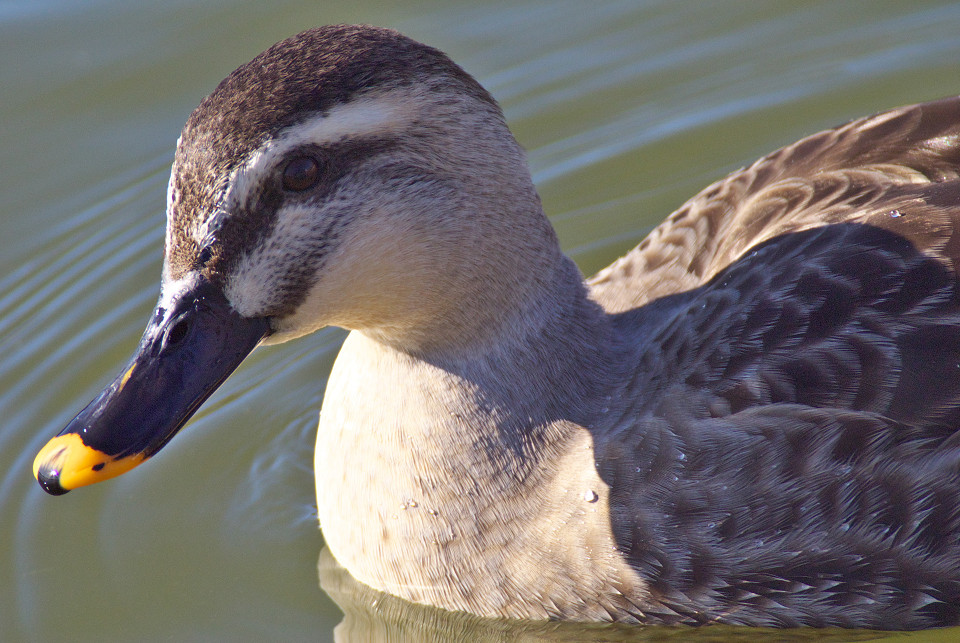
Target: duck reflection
371 615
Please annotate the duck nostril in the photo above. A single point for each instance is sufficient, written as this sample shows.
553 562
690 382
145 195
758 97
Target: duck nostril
177 333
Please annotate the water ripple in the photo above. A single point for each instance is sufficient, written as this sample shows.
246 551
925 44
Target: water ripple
626 109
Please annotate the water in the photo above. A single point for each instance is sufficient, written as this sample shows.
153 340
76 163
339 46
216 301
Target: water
626 109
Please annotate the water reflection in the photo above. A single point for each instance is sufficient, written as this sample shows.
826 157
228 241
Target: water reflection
370 615
626 109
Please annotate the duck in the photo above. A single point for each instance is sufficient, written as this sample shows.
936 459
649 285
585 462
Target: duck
751 418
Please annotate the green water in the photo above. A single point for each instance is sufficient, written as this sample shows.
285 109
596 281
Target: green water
626 109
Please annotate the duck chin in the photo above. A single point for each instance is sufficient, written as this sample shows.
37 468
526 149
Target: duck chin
281 333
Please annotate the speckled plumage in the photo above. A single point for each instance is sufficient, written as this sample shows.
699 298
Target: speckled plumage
774 420
781 450
800 385
751 418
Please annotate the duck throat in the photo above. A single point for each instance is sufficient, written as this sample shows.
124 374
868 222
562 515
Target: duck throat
450 481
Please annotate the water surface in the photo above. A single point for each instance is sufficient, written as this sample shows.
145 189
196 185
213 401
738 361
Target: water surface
626 109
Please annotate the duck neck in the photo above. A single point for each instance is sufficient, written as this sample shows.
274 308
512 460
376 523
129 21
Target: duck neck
554 340
492 274
521 343
429 461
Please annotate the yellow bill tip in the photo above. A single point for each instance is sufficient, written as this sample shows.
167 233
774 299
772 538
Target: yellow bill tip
66 463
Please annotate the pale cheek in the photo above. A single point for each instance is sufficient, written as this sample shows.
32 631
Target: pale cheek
256 286
249 290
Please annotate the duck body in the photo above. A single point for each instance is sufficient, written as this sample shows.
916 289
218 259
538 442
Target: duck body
751 418
779 465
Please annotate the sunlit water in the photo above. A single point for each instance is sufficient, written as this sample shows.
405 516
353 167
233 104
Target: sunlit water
626 109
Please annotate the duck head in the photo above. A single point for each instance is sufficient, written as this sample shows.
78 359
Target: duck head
346 176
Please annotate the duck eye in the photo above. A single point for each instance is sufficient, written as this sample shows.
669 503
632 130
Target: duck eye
302 173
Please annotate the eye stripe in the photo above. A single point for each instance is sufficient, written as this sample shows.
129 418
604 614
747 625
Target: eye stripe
361 120
345 136
350 132
248 224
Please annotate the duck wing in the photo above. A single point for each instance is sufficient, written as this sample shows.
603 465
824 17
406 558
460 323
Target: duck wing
830 177
794 458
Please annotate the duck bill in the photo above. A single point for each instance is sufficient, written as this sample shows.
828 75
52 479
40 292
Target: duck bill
193 342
